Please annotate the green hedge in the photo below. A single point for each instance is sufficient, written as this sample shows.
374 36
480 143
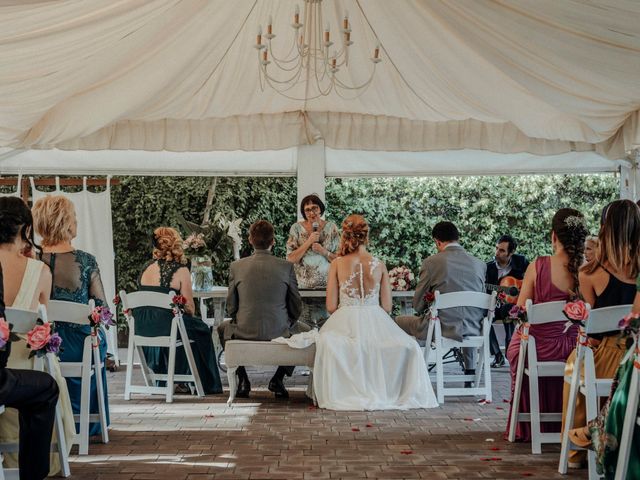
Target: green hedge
401 211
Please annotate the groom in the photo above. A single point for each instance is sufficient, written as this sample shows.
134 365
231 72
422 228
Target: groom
452 269
263 302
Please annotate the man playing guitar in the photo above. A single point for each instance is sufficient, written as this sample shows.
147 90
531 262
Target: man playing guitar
505 273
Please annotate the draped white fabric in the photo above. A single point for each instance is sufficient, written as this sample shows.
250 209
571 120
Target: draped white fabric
543 76
95 236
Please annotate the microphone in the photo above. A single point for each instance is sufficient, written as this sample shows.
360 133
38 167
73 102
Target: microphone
315 226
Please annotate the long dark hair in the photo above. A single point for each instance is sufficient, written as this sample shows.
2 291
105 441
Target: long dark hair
16 219
571 230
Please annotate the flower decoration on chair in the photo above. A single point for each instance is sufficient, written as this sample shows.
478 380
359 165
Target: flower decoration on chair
401 278
501 299
630 324
41 339
178 303
576 312
517 314
101 317
6 335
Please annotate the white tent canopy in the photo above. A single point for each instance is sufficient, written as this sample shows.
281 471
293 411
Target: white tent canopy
541 77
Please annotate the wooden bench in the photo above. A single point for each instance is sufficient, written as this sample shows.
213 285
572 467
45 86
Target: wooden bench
251 353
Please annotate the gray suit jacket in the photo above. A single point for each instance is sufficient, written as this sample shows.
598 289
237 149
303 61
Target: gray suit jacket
263 299
452 270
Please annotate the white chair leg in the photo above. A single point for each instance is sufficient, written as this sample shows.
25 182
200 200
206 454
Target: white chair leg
129 373
517 392
83 440
171 368
190 359
102 408
487 370
233 383
439 372
534 402
570 415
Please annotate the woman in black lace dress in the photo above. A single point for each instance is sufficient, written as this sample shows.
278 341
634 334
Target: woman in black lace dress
166 272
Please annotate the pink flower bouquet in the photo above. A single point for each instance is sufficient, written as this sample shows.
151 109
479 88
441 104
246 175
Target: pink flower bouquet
41 340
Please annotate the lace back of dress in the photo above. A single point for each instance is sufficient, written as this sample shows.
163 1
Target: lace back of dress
361 288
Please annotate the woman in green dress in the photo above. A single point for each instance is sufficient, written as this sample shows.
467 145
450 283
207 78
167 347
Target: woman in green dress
166 272
312 245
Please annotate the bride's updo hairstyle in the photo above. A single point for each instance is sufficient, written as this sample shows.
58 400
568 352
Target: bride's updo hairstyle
167 245
355 232
570 228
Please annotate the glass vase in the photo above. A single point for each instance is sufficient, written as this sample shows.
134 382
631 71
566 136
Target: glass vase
201 274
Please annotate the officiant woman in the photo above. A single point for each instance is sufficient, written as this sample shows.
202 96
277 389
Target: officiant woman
312 245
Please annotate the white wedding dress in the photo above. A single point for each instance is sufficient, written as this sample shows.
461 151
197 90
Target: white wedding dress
364 361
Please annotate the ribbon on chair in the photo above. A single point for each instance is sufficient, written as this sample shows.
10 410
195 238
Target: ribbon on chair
524 334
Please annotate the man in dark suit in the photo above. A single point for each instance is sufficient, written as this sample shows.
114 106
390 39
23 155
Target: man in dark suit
452 269
35 395
505 263
263 302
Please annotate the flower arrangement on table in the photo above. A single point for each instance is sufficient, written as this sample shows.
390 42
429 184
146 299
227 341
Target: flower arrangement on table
401 278
195 245
42 339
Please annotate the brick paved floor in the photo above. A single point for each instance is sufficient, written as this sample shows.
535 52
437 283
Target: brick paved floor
261 438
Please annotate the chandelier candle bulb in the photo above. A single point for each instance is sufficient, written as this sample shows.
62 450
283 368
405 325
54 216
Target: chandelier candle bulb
270 25
259 36
376 52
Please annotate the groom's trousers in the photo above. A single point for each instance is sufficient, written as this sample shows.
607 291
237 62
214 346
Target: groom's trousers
419 327
35 395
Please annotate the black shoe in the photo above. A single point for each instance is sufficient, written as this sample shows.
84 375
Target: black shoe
498 360
276 386
471 384
244 387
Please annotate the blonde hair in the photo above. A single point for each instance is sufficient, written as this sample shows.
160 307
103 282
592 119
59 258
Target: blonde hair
53 219
167 245
619 240
355 232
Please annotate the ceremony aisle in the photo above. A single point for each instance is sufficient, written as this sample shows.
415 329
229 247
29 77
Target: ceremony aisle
264 438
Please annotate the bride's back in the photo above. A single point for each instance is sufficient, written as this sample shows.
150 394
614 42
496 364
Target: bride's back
359 275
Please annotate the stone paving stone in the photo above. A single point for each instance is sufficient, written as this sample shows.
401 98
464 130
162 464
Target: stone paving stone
262 438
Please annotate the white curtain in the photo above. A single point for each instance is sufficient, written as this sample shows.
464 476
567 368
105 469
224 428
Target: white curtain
95 236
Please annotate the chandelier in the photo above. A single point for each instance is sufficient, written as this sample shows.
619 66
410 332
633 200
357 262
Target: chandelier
313 59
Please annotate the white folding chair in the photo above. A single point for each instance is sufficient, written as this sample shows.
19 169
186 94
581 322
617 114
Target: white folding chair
537 314
600 320
631 418
136 342
23 321
77 313
443 345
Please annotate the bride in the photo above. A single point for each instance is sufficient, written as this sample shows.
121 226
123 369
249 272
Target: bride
364 361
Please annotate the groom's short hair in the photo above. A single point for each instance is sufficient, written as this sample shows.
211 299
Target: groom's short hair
445 232
261 234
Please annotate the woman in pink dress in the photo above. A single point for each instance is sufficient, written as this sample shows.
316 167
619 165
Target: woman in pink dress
550 279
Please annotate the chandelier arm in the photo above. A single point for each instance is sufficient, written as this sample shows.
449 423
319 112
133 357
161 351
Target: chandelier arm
356 87
283 65
275 84
291 97
290 57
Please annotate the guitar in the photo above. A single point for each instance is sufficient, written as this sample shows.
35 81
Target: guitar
510 286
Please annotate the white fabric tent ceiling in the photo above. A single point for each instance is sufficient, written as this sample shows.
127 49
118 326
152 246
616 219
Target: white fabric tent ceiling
536 76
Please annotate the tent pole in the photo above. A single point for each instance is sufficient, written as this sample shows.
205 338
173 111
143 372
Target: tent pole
311 168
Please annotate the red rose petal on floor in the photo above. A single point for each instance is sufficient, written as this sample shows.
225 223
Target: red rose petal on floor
505 400
496 459
406 452
369 425
209 416
527 474
312 407
499 408
495 449
468 419
355 429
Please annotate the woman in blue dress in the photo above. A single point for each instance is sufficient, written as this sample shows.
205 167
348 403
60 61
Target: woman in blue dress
167 272
76 278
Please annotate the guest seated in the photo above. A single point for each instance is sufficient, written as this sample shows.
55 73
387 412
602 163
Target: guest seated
452 269
507 265
263 302
312 245
608 280
550 279
591 245
35 396
27 283
76 278
167 272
